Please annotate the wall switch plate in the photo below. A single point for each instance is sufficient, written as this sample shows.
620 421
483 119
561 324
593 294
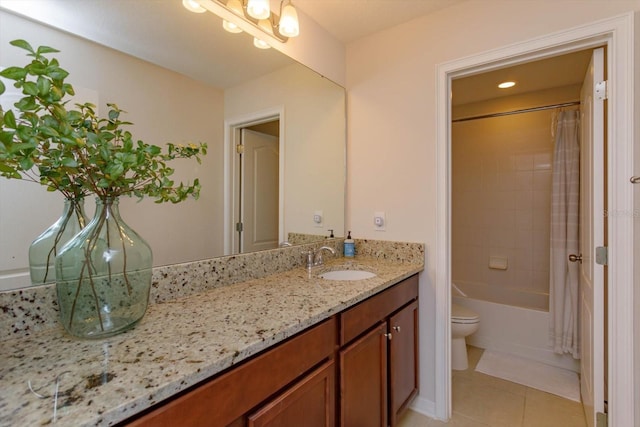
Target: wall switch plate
379 221
317 219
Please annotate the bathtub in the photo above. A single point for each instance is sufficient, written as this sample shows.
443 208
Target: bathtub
515 325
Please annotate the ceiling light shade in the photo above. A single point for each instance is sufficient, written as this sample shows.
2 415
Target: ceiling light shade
260 44
235 6
258 9
193 6
289 25
231 27
505 85
265 25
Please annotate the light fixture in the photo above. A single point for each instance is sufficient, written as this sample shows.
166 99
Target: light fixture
193 6
258 9
505 85
252 13
288 25
236 7
265 25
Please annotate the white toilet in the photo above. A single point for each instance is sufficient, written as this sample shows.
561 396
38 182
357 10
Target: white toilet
464 322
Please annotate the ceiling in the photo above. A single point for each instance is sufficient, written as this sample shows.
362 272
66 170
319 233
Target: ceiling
558 71
349 20
166 34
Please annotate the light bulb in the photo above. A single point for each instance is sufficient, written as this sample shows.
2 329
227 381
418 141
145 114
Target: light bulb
505 85
289 26
231 27
260 44
258 9
193 6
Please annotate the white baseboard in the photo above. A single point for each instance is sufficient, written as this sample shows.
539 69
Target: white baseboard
424 406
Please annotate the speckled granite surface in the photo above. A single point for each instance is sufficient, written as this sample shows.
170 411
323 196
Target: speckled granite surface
179 342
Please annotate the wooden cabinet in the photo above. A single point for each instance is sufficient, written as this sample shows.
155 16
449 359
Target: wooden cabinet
358 368
403 360
363 380
379 359
310 403
228 398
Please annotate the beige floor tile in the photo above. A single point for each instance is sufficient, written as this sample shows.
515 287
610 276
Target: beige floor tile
487 404
481 400
547 410
414 419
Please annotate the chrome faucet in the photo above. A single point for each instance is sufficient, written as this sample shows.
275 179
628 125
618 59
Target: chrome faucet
314 257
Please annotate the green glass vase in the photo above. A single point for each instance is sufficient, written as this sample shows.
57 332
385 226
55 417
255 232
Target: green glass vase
103 276
44 249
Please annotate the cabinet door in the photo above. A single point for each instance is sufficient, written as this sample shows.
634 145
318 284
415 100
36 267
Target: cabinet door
363 381
310 403
403 359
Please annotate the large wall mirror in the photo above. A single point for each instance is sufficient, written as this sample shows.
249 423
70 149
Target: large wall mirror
182 78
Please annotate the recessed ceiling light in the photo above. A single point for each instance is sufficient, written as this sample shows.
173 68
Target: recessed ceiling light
505 85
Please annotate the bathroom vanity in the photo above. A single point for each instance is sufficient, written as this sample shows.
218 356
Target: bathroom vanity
250 353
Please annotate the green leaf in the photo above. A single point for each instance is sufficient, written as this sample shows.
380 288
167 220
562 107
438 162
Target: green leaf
30 88
70 162
26 163
44 86
23 44
10 120
46 49
13 73
2 87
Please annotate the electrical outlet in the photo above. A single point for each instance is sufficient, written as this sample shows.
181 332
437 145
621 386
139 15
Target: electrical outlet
317 219
379 221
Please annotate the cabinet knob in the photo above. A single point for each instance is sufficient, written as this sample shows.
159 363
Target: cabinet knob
389 336
396 328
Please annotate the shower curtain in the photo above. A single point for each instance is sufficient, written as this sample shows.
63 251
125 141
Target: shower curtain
565 203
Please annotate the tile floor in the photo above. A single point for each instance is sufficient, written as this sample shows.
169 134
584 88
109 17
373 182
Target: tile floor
480 400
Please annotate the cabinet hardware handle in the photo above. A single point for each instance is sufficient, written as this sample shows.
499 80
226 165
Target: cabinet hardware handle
396 328
389 336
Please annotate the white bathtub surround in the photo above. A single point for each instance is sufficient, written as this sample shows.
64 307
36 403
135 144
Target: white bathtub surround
558 381
515 330
565 219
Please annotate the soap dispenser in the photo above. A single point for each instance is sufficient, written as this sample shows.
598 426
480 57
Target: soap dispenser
349 246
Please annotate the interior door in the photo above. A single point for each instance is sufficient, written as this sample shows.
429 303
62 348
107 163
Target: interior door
260 188
591 236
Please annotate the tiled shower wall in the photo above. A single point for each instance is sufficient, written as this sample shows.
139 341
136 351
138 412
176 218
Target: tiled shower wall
501 199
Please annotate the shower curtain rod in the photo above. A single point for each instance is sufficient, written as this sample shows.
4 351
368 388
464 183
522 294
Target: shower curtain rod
525 110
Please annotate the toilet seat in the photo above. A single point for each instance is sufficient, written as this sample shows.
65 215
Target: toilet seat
463 315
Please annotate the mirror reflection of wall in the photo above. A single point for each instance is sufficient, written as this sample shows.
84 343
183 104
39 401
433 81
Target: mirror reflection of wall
167 106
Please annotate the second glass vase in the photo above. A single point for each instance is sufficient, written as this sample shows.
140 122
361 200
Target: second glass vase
103 276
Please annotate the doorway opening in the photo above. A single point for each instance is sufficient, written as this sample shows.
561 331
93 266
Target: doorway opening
254 179
617 35
505 173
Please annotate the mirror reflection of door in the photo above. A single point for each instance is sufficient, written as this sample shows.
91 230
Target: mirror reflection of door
258 169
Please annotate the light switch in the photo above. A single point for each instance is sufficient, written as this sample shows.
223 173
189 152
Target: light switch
379 221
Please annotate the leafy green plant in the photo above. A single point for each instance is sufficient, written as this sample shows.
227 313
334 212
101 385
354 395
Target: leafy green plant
72 150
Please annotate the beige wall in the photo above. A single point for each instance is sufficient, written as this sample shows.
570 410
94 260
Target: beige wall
165 107
314 139
391 85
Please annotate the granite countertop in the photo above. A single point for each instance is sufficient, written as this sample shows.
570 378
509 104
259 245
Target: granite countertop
176 345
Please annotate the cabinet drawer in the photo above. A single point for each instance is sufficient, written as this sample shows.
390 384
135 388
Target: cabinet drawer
310 402
224 399
358 319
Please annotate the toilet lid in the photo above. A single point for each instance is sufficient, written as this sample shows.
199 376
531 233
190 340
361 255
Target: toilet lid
463 314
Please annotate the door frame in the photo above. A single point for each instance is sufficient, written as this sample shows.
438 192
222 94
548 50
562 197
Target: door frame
232 126
616 34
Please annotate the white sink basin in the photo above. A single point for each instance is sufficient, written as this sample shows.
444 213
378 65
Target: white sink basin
347 275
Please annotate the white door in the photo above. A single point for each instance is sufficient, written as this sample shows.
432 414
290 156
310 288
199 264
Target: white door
592 223
260 188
